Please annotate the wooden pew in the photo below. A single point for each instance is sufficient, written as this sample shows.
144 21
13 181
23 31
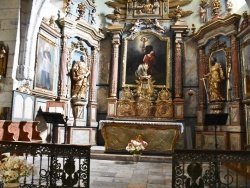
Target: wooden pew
19 131
11 130
28 131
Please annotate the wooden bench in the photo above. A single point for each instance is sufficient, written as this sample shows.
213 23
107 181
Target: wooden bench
19 131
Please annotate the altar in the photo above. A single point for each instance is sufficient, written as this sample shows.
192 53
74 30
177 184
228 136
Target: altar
160 136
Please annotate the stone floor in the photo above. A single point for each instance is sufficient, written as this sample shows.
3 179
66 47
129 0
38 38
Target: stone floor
127 174
119 171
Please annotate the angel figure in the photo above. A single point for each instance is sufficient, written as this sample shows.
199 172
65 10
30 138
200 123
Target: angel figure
135 27
159 27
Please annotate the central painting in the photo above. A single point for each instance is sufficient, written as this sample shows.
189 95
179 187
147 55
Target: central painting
149 50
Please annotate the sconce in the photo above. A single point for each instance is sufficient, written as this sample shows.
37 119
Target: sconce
190 92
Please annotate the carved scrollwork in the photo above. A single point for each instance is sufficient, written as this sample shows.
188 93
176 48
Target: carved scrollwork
145 87
125 108
144 107
164 105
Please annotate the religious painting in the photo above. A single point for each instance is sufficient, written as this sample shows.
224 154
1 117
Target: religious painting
46 60
246 68
146 53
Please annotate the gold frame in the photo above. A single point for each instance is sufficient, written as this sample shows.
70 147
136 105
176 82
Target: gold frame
42 41
125 50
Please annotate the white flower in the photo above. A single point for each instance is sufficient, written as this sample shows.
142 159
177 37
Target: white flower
12 168
136 146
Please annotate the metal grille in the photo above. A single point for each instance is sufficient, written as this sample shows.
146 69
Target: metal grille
210 168
56 165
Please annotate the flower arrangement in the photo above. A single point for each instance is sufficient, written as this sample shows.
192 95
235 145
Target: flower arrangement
136 146
12 168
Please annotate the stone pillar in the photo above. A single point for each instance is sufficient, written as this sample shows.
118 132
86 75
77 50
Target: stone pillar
178 69
235 68
178 95
62 90
115 31
92 108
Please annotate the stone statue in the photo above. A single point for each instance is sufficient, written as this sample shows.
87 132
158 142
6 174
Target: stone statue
203 14
80 74
216 76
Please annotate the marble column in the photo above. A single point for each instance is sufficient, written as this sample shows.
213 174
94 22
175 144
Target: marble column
178 70
235 68
92 112
178 84
114 74
115 32
62 91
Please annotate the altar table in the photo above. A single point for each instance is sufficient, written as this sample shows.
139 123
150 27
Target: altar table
160 136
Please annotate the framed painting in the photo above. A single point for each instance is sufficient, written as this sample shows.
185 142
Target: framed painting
246 68
46 64
146 47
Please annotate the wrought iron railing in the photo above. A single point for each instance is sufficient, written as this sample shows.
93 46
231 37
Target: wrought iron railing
210 168
56 165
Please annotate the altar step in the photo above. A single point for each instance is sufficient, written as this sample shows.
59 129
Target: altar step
97 152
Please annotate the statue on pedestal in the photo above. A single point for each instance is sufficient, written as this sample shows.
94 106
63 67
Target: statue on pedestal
216 76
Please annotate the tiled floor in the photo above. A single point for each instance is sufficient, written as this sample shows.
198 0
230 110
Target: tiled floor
127 174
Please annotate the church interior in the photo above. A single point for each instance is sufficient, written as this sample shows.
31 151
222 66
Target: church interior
176 73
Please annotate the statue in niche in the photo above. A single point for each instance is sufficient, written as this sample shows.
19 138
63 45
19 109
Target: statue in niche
80 74
216 76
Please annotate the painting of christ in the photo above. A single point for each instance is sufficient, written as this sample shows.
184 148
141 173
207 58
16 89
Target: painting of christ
146 53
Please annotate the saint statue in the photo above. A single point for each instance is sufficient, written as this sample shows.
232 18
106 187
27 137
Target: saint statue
216 77
80 74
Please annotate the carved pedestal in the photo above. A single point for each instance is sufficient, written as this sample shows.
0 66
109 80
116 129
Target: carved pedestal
78 106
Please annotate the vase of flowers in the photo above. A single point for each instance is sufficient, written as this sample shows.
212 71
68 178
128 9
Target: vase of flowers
136 147
12 168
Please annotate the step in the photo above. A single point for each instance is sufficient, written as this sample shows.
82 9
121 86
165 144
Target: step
97 152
